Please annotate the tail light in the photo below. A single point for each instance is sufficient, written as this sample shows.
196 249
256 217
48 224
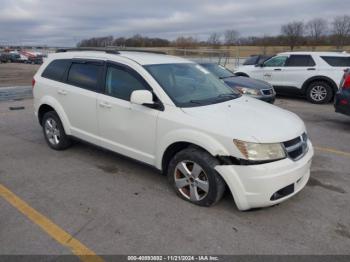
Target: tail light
346 80
33 83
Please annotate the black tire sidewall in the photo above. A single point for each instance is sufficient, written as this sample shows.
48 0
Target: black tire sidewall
207 162
320 83
64 139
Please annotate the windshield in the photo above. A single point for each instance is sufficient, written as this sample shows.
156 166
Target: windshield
218 70
189 84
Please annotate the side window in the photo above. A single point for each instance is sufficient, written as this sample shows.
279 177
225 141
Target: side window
276 61
337 61
56 69
300 60
121 82
85 75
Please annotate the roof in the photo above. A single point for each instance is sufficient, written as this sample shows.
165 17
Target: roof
143 58
149 58
316 53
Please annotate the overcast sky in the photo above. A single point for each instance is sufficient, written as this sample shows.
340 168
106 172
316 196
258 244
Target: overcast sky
65 22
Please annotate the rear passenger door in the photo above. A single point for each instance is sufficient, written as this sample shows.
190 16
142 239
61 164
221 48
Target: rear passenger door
126 128
297 69
78 96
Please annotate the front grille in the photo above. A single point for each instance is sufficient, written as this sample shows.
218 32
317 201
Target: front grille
267 92
297 147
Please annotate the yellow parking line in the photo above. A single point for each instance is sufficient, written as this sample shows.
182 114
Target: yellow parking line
332 150
57 233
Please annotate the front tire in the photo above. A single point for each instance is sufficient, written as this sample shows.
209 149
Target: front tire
54 133
319 92
193 177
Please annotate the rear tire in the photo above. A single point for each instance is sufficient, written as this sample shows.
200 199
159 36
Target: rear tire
54 133
319 92
193 177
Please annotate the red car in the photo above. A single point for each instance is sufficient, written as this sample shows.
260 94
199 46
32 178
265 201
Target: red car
342 98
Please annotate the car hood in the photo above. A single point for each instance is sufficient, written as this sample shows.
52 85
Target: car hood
248 119
246 82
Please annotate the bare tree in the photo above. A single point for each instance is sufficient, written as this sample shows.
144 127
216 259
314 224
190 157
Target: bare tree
186 42
214 39
341 29
293 32
316 29
231 37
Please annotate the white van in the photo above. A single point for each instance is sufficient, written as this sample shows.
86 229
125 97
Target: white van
173 114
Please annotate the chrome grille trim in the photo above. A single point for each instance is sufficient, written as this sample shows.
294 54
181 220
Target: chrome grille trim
296 148
267 92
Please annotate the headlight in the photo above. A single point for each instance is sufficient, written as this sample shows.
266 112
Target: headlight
248 91
260 152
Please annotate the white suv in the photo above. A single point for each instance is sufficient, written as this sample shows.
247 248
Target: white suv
316 75
173 114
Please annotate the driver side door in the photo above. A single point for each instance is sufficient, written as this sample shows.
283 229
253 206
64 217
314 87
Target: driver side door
126 128
272 70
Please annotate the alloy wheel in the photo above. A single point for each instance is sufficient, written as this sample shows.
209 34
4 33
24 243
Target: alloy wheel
52 131
191 180
318 93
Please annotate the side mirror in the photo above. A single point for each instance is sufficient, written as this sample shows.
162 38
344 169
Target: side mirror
259 65
142 97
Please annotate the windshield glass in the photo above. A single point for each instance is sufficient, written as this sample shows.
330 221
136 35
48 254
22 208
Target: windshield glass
189 84
218 70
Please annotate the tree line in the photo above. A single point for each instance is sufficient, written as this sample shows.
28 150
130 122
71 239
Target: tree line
315 32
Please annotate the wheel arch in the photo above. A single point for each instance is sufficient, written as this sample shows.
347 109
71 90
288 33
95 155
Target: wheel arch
173 149
50 104
241 74
320 78
181 139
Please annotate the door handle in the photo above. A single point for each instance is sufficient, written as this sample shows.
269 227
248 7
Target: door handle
105 105
267 75
62 92
311 69
277 69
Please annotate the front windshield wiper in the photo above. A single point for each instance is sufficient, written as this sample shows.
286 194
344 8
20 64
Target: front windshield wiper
212 99
231 95
198 102
224 77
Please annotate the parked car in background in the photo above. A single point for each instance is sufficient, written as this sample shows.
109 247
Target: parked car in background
247 86
315 75
171 113
5 57
256 59
15 57
342 98
38 60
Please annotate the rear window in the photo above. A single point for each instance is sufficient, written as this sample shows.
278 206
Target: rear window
300 60
337 61
56 69
84 75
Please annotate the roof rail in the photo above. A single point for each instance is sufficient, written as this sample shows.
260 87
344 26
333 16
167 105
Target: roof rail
106 50
142 51
109 50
